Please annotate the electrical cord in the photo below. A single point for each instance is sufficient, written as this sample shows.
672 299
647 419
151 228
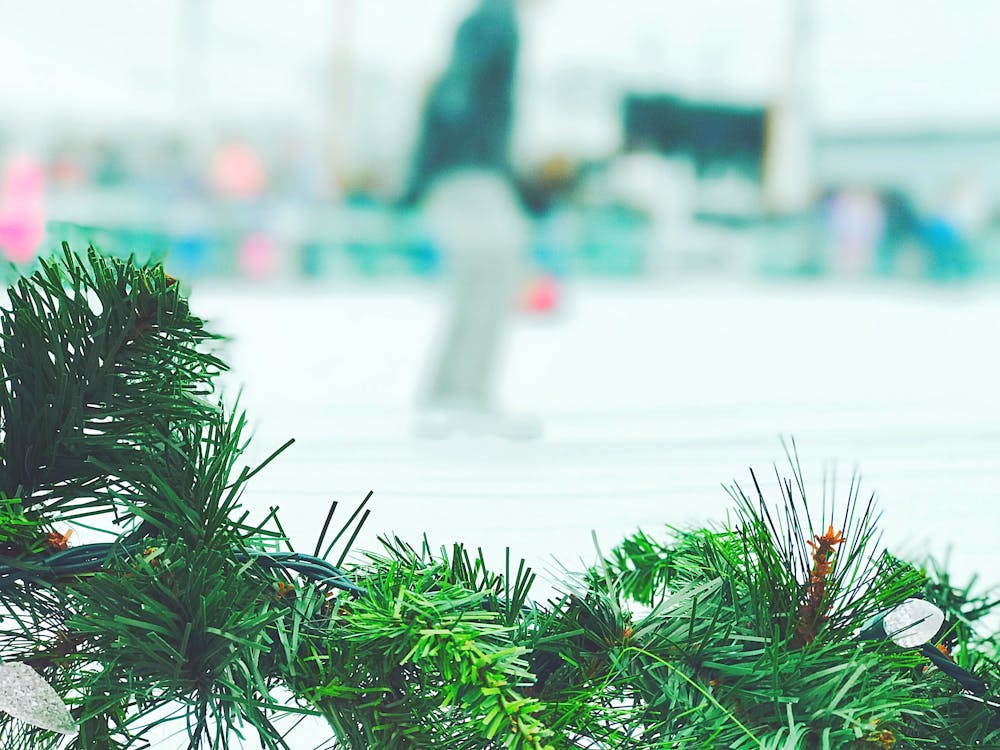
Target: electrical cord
91 558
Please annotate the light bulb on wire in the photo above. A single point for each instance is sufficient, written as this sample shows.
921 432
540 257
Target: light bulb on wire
26 696
913 624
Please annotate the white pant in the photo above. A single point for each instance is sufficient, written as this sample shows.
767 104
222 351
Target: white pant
475 218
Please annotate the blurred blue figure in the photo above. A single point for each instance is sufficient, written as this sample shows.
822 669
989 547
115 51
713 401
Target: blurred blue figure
555 236
949 250
952 231
189 255
424 258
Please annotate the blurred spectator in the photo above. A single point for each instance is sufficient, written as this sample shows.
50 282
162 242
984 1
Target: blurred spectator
66 167
547 192
173 170
238 174
662 189
237 171
557 234
258 255
110 169
22 208
549 184
855 222
953 229
300 173
899 250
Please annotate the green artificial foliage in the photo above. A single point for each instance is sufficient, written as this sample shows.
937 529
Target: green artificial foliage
737 635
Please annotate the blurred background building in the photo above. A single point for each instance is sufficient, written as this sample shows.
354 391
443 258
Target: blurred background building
270 140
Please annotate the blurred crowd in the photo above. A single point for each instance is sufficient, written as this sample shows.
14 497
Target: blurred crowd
261 208
689 188
888 232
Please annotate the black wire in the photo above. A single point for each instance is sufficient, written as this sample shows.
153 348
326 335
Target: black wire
964 677
90 558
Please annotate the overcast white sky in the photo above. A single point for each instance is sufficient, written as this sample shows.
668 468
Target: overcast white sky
912 64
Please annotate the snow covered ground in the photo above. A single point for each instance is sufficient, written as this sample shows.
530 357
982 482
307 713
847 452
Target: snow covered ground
651 396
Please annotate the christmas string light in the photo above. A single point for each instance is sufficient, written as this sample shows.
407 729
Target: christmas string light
912 624
26 696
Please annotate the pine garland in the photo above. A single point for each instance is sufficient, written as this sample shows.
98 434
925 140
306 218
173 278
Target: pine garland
740 635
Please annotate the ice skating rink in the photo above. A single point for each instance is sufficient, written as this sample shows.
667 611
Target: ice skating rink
651 396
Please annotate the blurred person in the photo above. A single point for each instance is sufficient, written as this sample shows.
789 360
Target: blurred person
549 184
173 171
855 221
300 174
461 178
237 171
951 231
547 192
66 167
239 176
257 255
303 188
110 168
900 251
22 208
171 175
662 189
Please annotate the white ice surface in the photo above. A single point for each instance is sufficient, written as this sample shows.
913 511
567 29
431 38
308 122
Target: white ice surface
650 397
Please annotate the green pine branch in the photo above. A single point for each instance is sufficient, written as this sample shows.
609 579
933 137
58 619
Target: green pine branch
101 360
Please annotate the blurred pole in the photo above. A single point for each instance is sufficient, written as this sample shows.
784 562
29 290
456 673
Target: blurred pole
788 154
339 107
195 120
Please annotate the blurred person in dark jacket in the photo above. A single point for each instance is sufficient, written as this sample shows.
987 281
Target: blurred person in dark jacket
468 114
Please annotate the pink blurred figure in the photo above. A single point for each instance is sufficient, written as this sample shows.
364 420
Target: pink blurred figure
22 209
258 255
541 296
237 171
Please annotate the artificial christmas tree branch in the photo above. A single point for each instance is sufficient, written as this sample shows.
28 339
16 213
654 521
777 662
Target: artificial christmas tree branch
754 634
100 359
